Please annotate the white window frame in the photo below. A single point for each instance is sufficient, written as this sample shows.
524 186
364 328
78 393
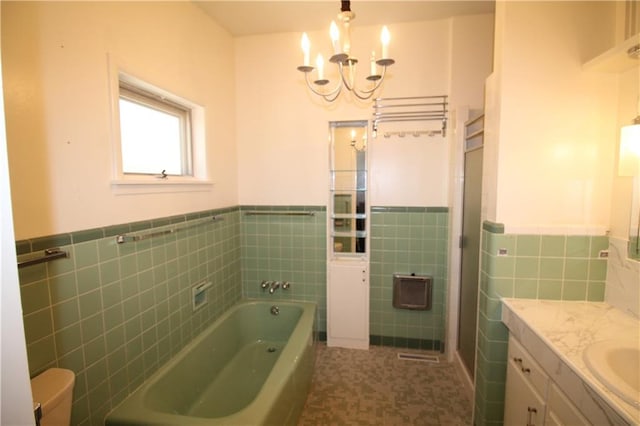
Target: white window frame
195 177
153 101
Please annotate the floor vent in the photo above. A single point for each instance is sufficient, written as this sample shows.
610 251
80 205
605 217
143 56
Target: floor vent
418 357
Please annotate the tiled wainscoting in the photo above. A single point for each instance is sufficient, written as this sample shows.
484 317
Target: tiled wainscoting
113 313
553 267
281 247
408 240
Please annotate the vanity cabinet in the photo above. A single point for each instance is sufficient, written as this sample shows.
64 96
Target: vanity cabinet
526 388
348 304
531 397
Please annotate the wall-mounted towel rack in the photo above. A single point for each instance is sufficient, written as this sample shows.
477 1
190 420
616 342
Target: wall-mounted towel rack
415 108
279 213
48 255
414 133
124 238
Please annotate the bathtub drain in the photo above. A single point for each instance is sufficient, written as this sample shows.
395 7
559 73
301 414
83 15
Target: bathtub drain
272 349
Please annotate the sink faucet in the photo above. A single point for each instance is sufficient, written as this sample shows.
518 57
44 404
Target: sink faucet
274 286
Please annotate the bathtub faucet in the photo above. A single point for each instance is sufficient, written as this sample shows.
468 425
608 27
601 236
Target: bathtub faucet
275 310
274 286
265 285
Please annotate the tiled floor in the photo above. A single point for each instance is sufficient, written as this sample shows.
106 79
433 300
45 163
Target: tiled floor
374 387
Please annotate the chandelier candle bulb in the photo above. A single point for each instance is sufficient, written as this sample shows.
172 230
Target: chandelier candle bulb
385 38
335 37
306 44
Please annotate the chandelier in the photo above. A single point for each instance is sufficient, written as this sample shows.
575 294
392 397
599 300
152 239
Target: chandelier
346 64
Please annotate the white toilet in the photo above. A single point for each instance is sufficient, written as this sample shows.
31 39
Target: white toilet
53 389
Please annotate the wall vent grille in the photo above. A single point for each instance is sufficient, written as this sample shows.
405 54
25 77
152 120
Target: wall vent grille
419 357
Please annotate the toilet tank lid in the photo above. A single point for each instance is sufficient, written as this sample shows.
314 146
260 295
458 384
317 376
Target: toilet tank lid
51 386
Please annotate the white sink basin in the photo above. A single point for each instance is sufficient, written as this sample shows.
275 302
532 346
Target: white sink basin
616 364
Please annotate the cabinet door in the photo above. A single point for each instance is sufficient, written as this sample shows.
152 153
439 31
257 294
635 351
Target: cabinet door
348 304
561 412
522 405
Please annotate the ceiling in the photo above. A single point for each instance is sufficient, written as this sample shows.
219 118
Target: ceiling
242 18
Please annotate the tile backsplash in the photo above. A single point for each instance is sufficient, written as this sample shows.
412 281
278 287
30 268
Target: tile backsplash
281 247
552 267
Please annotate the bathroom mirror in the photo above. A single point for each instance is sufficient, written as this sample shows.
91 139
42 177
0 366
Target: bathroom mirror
348 187
633 248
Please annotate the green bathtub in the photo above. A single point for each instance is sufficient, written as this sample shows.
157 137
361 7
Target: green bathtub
250 367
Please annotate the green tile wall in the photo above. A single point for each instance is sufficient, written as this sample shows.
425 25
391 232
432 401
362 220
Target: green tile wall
113 313
408 240
293 248
280 247
553 267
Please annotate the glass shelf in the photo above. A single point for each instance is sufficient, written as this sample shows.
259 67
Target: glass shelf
348 180
348 216
352 234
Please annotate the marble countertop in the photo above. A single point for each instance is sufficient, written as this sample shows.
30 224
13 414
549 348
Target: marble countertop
567 328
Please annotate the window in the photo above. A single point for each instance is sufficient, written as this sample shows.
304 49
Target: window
159 138
155 133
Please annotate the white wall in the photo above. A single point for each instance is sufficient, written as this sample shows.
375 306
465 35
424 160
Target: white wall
57 104
59 127
552 124
283 131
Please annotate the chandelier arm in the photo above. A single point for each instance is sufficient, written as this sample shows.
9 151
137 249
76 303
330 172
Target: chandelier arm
366 94
326 96
328 99
378 83
361 97
344 80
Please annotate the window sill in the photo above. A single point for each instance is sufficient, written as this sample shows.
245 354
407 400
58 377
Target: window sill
159 186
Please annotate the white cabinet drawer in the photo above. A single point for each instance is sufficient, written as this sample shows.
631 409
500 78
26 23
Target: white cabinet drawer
533 373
